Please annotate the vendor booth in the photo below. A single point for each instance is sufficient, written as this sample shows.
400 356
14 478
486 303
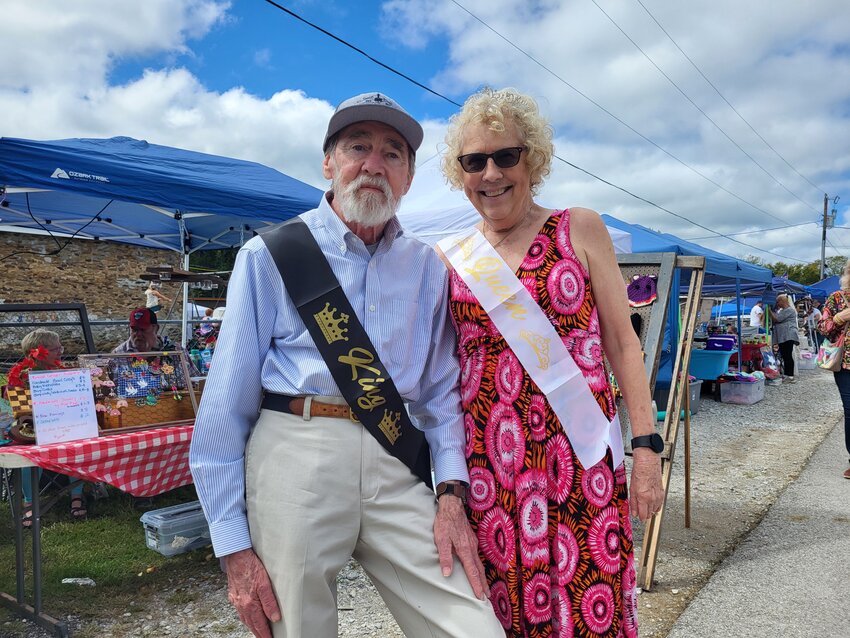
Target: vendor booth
130 191
720 270
122 419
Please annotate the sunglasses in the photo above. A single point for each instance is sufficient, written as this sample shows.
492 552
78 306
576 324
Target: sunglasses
503 158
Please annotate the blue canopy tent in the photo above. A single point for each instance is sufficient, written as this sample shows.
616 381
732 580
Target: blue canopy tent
777 285
130 191
828 285
719 269
730 308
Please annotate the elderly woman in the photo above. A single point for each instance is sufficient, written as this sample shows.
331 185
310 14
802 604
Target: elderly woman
832 325
784 317
534 290
51 342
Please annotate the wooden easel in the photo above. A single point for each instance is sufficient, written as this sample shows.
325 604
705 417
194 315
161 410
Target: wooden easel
652 331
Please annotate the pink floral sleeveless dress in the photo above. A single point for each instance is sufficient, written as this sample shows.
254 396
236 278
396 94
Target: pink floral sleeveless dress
555 537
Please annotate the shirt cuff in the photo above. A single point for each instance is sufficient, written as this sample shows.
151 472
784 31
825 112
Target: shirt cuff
229 537
450 467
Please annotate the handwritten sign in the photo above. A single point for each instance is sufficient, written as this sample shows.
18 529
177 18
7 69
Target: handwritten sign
62 405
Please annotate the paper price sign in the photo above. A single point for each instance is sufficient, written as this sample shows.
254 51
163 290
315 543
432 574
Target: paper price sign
62 405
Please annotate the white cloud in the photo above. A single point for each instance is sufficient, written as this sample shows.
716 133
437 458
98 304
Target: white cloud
60 88
784 65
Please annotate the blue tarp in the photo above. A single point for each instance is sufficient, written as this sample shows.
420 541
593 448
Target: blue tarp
730 308
777 285
828 285
130 191
719 268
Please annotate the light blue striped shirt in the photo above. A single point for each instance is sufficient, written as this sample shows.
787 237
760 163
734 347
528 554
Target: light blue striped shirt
400 295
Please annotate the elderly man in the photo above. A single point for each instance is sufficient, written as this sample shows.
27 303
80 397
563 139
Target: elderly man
303 455
143 334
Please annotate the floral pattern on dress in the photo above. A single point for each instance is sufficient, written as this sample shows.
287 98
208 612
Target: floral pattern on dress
577 578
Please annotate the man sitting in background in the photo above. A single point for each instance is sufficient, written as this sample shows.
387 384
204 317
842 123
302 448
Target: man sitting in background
143 334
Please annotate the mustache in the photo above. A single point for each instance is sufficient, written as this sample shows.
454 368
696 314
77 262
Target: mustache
375 181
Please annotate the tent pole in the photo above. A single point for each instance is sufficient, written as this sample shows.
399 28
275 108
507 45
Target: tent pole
184 332
740 333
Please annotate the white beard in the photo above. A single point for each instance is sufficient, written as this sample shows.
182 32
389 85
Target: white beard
366 208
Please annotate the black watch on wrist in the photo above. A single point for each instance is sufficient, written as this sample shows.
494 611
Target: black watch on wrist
455 489
653 441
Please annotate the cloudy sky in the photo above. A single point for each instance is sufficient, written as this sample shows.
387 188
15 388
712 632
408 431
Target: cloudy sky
734 115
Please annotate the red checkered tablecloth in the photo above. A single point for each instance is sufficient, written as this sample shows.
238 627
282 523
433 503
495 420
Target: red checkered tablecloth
142 463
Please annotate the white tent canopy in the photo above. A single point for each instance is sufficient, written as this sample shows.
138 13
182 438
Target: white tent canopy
432 210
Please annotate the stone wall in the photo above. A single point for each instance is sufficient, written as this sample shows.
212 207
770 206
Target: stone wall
102 275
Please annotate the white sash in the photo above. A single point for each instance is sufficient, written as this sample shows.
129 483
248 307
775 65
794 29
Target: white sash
537 345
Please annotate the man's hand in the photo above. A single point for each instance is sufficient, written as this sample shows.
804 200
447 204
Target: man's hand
453 535
646 494
250 592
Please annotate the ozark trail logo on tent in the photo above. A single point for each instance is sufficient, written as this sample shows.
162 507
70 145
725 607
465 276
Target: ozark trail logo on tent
86 177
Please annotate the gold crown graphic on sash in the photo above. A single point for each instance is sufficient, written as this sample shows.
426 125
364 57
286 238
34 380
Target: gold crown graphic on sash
465 246
540 345
389 426
329 325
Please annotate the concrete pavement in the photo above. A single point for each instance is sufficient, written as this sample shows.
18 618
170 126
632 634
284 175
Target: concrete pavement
791 576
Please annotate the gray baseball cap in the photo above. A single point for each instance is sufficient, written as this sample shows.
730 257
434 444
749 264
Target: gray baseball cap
374 107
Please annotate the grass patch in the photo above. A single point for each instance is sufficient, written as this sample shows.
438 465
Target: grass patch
110 549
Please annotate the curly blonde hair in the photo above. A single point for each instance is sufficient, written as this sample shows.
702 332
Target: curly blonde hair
497 110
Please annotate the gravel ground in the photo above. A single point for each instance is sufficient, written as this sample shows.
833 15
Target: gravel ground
742 458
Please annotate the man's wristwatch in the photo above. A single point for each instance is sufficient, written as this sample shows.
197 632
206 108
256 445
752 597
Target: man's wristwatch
455 489
653 441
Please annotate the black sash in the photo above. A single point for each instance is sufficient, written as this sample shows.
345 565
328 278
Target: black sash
344 345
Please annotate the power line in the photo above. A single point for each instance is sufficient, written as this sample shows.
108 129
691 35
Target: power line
579 168
698 108
751 232
682 217
363 53
716 90
628 126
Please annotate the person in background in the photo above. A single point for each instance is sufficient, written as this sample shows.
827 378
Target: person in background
51 342
833 322
291 484
784 318
143 334
554 533
757 316
154 298
813 317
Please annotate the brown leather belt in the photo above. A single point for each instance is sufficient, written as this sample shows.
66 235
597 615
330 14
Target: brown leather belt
306 407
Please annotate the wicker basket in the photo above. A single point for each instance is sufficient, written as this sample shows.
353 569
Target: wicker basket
166 410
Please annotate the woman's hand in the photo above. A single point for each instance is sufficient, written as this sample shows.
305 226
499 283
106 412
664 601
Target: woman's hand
646 494
842 317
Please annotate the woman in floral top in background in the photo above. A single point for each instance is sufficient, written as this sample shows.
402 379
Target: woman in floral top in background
835 314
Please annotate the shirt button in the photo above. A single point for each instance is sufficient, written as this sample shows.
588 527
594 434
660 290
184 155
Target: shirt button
372 308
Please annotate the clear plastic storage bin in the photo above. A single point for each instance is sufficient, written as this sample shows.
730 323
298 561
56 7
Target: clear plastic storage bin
742 393
176 529
807 361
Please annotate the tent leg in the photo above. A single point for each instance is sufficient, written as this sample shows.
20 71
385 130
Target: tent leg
184 332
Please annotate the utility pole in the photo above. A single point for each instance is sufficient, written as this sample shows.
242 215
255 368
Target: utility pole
823 237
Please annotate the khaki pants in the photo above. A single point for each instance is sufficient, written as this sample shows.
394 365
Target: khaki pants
322 490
